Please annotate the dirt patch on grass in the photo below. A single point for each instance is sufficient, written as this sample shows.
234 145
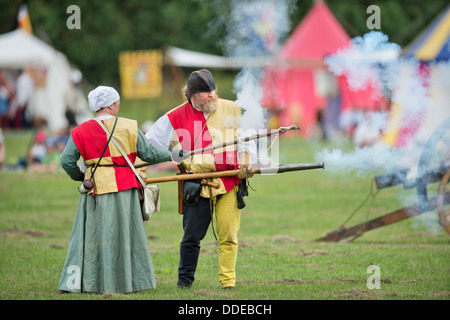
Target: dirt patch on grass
441 294
19 233
314 253
57 246
363 294
296 281
319 252
211 293
283 238
301 281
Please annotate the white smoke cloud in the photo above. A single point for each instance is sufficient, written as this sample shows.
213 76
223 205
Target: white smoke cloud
413 94
369 61
248 96
373 59
361 161
256 29
361 61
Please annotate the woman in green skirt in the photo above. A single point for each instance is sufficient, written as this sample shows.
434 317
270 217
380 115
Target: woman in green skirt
108 248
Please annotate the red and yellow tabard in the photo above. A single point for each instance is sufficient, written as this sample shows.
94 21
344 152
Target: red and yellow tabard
91 140
194 131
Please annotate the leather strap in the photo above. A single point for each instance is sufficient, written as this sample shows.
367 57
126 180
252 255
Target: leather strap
143 183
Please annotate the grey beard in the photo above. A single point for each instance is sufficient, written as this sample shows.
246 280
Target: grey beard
207 107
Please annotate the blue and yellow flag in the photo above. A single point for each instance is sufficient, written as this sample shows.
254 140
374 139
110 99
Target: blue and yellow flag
433 44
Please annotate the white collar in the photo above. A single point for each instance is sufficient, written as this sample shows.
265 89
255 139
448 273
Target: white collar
105 117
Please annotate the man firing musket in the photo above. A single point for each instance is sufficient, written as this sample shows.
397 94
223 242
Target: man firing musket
212 171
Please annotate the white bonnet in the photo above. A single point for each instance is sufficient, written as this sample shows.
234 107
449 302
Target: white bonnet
102 97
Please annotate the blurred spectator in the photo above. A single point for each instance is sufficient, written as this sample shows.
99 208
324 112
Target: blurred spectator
38 151
77 108
24 91
44 154
50 161
2 149
6 96
62 136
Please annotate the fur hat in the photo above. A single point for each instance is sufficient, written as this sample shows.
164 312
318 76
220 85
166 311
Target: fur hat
200 81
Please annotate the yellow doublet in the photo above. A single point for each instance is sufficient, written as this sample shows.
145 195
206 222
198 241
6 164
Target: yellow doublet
106 180
222 126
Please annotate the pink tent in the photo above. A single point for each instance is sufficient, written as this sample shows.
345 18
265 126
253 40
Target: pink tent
291 88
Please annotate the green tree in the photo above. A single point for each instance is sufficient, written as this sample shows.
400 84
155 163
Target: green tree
109 27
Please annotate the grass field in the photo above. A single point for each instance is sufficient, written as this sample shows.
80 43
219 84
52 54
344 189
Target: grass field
278 258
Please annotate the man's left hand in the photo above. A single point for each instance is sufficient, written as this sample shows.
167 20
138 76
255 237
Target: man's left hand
245 171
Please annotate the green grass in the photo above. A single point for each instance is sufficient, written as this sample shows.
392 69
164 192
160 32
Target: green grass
278 258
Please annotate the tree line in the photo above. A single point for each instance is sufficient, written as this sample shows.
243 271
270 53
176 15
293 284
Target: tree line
109 27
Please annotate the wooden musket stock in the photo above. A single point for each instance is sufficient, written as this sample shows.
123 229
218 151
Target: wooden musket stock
231 173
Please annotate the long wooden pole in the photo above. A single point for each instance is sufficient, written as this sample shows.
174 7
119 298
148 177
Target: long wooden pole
384 220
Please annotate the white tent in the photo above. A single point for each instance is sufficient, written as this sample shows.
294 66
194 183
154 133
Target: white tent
187 58
19 50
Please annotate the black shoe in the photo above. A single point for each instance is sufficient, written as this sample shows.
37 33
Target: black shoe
183 286
229 288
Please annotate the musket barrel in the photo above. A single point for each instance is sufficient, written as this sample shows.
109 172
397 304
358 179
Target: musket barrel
231 173
281 130
291 167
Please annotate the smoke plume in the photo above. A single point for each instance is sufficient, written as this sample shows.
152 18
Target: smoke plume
369 60
256 29
419 105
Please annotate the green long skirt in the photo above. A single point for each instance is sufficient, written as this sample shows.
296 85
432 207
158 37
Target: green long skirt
108 249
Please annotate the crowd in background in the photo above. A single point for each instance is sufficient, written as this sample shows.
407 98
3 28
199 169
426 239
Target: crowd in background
44 148
14 98
42 153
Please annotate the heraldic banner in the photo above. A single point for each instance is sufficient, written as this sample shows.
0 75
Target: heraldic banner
141 73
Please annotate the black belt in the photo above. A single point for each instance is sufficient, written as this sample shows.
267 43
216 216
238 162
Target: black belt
109 165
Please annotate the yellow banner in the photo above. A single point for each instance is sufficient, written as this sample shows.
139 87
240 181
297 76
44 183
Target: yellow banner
141 74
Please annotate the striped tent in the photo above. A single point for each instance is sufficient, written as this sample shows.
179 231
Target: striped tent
433 44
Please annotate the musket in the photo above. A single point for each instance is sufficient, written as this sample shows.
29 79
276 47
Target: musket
231 173
278 131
